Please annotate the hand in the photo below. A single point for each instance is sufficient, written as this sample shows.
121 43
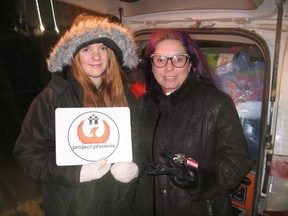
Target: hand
180 174
94 170
124 171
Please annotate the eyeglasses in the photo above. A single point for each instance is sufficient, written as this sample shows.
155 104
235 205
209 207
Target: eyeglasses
178 60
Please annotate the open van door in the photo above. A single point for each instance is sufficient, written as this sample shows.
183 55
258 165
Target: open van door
246 50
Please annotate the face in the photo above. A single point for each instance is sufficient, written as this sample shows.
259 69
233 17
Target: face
94 61
170 77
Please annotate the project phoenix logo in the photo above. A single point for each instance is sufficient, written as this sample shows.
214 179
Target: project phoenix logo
93 135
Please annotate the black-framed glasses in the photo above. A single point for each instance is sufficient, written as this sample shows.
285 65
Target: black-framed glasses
178 60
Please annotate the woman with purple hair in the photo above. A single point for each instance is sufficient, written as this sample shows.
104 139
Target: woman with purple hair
192 139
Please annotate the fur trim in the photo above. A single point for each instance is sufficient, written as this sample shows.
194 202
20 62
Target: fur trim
63 52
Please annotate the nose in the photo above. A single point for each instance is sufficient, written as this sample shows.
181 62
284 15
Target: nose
169 64
95 55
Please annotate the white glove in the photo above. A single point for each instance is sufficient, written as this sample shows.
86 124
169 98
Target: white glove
94 170
124 171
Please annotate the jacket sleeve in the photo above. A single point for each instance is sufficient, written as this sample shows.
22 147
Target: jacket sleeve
228 160
35 146
134 113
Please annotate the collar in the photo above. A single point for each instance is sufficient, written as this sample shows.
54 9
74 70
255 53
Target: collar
167 102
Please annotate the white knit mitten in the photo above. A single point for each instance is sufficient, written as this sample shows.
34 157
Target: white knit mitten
94 170
124 171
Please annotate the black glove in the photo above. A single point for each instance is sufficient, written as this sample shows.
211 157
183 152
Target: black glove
180 173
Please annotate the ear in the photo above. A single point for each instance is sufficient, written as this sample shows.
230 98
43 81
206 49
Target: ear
190 65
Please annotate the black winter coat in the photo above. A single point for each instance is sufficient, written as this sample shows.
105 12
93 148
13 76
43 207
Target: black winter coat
200 122
62 190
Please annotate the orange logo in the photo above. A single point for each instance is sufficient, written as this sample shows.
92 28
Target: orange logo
92 135
93 138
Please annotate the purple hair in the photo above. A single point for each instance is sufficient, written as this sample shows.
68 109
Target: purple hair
199 65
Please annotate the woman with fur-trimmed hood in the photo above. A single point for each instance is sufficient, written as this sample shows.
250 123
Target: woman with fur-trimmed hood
88 71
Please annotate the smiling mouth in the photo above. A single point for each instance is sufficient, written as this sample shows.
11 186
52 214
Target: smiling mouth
169 77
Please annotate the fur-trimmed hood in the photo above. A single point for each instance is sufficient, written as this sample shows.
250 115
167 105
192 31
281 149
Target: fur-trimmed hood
113 35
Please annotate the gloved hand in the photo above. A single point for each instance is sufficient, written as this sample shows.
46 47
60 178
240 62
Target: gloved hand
94 170
180 172
124 171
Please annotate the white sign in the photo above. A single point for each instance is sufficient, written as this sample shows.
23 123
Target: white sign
85 135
